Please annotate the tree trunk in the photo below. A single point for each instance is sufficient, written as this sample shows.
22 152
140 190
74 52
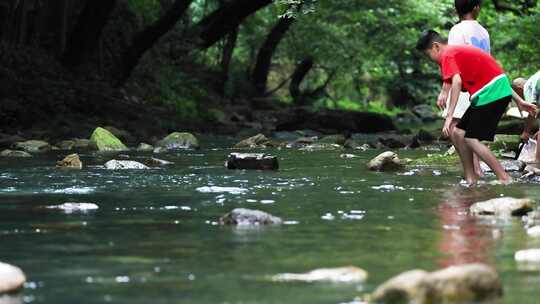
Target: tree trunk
264 57
86 35
226 58
225 20
302 69
146 39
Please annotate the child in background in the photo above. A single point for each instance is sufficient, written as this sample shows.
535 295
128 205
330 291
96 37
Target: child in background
529 89
471 69
467 32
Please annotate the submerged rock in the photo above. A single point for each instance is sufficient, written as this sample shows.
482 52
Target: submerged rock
33 146
124 165
70 161
348 274
257 141
247 217
178 141
106 141
472 283
12 278
145 147
252 161
387 161
13 153
503 207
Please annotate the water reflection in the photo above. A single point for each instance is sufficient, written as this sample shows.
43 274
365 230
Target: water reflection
463 239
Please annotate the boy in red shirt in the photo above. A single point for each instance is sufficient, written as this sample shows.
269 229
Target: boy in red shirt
470 69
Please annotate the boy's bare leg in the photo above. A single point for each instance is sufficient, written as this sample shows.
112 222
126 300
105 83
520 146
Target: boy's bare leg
489 158
477 167
465 154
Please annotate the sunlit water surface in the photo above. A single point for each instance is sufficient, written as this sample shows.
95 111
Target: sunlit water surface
155 238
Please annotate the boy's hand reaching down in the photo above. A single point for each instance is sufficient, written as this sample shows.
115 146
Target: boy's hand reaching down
447 128
527 107
441 100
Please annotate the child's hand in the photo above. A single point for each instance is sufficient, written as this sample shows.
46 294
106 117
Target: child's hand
527 107
441 100
446 128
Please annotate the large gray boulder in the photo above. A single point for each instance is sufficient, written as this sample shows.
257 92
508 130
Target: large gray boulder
124 165
14 153
178 141
33 146
247 217
387 161
348 274
472 283
12 278
106 141
503 207
252 161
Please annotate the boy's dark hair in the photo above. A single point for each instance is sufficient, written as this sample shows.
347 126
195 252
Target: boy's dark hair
463 7
427 38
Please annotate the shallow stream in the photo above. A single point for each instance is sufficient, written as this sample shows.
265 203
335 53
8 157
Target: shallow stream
154 238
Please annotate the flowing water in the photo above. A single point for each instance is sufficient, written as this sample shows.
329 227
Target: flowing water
154 238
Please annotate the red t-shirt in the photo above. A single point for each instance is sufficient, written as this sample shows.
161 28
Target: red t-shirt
476 67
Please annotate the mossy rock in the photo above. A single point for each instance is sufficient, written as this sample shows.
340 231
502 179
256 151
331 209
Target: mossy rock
179 141
106 141
505 142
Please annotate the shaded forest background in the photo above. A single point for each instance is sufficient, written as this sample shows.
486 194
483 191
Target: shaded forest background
67 66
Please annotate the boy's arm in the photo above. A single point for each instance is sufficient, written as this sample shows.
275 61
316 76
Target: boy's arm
523 106
443 96
454 95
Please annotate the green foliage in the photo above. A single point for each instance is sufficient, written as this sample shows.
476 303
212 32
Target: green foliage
145 10
349 105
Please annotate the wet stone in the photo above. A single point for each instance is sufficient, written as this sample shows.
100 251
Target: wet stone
257 141
247 217
71 161
124 165
145 147
33 146
528 259
387 161
14 153
472 283
348 274
503 207
178 141
12 278
252 161
508 165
